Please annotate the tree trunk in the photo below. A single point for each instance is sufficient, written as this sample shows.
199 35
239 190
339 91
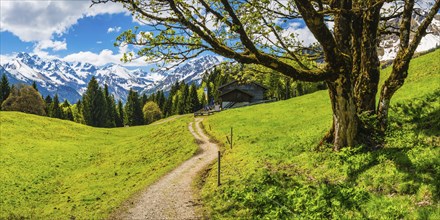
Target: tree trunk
345 121
391 85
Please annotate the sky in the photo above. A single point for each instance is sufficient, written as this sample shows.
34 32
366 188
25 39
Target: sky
66 29
70 30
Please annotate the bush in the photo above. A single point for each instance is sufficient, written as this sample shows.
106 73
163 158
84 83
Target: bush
25 99
151 112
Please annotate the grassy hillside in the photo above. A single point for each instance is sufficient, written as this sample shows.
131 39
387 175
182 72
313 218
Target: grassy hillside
273 170
54 169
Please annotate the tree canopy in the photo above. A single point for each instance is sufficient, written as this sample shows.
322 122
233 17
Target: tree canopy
260 32
26 99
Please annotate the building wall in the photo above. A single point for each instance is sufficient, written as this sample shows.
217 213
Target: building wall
253 89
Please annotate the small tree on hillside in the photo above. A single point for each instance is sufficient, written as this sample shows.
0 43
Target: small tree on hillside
26 99
151 112
5 89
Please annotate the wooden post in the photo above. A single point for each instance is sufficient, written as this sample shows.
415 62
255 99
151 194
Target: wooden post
218 170
231 137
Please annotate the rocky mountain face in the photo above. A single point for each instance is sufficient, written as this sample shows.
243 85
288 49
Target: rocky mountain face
388 46
69 80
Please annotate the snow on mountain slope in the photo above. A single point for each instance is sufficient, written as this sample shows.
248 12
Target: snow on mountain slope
389 44
69 80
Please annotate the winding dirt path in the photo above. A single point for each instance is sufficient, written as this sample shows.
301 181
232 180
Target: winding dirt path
172 197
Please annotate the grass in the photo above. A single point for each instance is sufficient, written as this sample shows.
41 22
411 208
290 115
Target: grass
273 171
54 169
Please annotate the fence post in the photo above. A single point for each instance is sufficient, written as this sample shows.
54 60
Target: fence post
218 170
231 137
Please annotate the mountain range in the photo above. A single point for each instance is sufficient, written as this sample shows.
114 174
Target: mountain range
69 80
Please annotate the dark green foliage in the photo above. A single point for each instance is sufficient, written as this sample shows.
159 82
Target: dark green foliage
55 108
119 118
94 107
160 100
65 104
34 85
167 109
183 104
48 101
133 109
110 108
26 99
193 101
145 99
5 89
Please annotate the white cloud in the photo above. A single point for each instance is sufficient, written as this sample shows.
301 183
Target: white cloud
104 57
113 29
49 44
304 35
99 42
34 21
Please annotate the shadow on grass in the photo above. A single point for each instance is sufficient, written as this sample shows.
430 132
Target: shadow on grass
414 128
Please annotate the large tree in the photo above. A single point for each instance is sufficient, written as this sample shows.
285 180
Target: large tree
133 109
94 105
259 32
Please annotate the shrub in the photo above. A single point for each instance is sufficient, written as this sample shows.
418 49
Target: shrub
151 112
25 99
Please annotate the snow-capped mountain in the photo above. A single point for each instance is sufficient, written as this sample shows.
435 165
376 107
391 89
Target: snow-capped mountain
389 45
69 80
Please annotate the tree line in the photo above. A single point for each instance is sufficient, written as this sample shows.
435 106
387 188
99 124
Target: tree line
99 108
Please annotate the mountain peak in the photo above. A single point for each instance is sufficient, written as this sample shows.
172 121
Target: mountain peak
69 80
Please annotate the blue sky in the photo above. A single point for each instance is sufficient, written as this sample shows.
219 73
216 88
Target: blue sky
68 30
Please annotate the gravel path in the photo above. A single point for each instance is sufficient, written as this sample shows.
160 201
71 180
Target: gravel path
172 197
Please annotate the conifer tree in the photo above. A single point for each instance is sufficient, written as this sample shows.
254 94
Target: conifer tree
110 112
182 104
119 119
34 85
55 108
161 100
5 89
48 109
133 109
94 108
175 104
78 112
65 104
203 101
145 99
194 103
167 111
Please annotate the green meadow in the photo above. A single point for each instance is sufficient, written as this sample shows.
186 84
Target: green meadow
54 169
276 171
